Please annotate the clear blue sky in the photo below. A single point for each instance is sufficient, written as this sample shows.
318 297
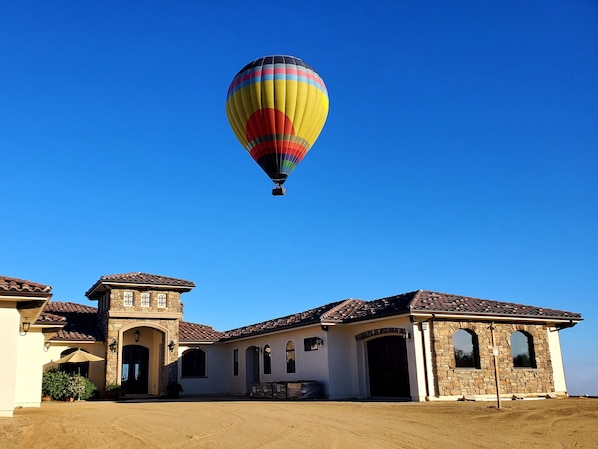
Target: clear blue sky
459 155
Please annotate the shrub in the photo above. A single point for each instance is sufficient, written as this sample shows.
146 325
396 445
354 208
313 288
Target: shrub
81 387
55 384
61 386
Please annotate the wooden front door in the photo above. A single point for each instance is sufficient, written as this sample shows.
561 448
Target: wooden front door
388 369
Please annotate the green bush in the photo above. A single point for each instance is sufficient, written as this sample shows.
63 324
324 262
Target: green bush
61 386
81 387
55 384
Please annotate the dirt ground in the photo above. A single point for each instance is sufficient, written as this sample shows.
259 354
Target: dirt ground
206 423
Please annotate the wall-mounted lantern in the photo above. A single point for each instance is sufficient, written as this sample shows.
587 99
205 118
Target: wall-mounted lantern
25 326
46 346
171 346
113 345
137 335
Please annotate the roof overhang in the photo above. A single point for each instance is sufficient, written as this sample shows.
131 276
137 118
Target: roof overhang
29 306
102 286
559 322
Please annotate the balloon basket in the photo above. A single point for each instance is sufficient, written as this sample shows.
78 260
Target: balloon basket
278 191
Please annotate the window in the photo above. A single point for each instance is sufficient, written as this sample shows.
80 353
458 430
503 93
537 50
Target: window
145 299
236 362
161 299
290 357
267 360
467 352
522 349
128 299
312 343
194 363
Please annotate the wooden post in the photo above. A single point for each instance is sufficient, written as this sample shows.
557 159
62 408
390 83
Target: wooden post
495 353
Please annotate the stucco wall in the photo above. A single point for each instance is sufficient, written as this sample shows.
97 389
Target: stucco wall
310 365
454 382
342 360
28 389
218 371
9 324
558 368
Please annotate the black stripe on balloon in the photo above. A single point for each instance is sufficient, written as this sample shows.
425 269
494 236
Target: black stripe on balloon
276 59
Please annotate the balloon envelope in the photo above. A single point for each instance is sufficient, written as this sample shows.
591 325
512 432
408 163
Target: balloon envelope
277 106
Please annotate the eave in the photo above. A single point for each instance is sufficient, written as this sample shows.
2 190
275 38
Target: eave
96 291
561 322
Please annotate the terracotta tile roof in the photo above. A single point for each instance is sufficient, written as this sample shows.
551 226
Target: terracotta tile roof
15 285
141 278
426 301
295 320
353 310
443 303
342 311
192 332
46 318
81 321
393 305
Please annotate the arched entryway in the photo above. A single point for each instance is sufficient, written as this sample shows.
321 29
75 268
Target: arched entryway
142 360
135 369
252 366
387 367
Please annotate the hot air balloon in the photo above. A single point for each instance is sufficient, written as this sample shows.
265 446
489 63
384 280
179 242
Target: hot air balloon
277 106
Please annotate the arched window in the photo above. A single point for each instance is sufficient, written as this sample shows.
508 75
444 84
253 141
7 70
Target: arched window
194 363
267 360
522 349
467 352
290 357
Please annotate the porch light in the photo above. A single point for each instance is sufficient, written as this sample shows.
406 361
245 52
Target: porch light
137 334
113 345
171 346
25 326
46 346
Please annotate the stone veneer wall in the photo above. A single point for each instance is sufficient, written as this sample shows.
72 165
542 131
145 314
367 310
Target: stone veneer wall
451 381
114 300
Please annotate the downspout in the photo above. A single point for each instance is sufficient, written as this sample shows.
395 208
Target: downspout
424 326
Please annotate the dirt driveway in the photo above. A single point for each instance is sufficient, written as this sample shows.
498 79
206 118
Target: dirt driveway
553 423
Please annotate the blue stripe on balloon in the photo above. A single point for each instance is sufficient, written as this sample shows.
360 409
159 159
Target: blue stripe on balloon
251 79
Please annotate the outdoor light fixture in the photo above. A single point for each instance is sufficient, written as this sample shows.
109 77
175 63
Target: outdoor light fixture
171 346
25 325
113 345
46 346
137 334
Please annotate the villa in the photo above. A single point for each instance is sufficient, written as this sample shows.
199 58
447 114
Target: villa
417 346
